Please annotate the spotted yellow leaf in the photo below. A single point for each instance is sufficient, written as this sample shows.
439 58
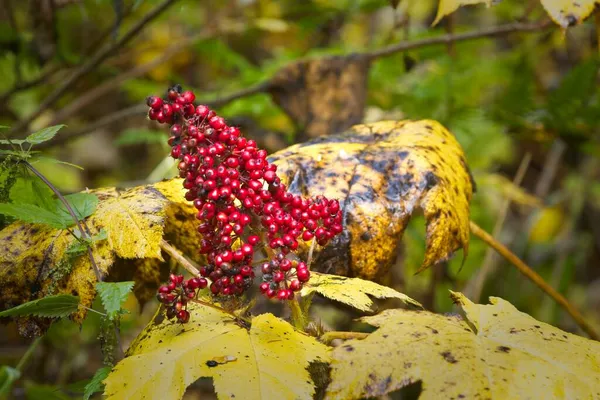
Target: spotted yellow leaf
354 292
34 258
564 12
266 361
382 173
496 352
569 12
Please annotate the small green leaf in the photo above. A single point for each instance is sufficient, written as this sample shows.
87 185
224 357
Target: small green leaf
33 214
57 306
96 385
55 161
20 154
8 376
113 294
139 136
83 204
43 135
79 247
12 141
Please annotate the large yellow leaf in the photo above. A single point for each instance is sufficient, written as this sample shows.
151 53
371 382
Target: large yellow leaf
268 361
569 12
497 352
34 263
354 292
382 173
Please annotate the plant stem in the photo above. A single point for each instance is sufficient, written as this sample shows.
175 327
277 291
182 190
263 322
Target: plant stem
82 231
328 337
185 262
299 318
30 350
535 278
221 309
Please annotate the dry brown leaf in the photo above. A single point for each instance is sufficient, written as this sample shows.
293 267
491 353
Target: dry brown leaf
324 95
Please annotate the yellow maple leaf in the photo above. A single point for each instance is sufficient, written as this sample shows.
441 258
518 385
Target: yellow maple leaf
564 12
569 12
382 173
266 361
134 221
354 292
449 6
495 352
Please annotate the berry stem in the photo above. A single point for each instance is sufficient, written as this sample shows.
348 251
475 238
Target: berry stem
299 318
221 309
185 262
328 337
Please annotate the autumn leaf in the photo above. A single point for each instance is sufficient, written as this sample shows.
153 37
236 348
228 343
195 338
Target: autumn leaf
447 7
268 360
34 255
569 12
322 95
354 292
564 12
495 351
382 173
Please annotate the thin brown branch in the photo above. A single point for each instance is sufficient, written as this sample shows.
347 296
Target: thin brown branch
458 37
535 278
328 337
182 260
92 95
91 64
475 286
84 232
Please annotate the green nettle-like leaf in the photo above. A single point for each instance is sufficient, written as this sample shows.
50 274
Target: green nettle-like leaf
8 375
43 135
79 247
96 385
113 294
83 204
57 306
34 214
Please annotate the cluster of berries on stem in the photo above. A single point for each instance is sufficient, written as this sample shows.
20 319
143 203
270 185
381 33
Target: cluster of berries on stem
243 208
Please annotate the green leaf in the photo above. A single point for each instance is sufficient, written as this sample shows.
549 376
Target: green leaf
55 161
113 294
57 306
8 376
43 135
80 246
44 392
12 141
96 385
34 214
20 154
83 204
139 136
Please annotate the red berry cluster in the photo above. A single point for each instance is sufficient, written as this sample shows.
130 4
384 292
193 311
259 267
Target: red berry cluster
176 294
242 205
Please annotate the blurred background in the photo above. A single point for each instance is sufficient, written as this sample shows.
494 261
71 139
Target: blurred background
525 106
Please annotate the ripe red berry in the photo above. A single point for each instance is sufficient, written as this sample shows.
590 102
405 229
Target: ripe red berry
183 316
303 275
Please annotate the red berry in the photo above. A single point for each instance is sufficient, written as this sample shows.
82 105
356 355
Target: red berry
303 274
183 316
282 294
